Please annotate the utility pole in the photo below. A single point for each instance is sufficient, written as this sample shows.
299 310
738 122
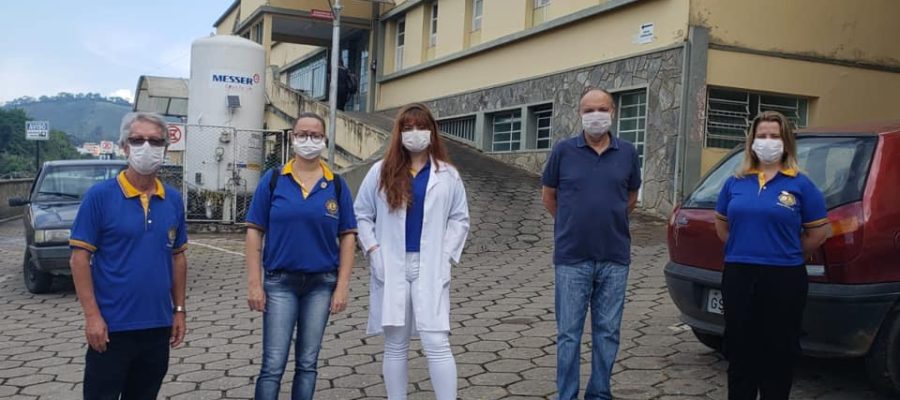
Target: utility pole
332 92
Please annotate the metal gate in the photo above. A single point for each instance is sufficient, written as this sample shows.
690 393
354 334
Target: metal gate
222 167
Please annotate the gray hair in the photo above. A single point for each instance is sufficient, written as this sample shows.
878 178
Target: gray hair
153 118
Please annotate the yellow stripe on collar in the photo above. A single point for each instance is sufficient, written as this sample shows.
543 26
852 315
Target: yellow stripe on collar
130 191
288 168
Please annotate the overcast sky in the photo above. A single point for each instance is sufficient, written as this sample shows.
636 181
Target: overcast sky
97 46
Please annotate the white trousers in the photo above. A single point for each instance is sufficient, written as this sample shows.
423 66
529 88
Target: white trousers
441 365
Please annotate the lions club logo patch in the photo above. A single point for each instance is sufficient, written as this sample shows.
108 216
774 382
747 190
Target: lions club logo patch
172 234
787 199
331 207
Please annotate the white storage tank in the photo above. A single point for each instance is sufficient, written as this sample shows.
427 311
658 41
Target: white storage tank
226 105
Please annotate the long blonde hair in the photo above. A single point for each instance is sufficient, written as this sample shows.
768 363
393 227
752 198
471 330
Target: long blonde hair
788 159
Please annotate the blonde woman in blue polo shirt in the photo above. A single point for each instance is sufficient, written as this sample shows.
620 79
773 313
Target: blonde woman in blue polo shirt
770 216
302 274
413 220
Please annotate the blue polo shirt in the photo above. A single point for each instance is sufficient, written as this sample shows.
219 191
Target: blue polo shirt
132 237
592 200
415 214
301 228
765 219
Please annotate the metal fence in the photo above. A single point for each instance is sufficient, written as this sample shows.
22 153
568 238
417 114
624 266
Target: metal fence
221 167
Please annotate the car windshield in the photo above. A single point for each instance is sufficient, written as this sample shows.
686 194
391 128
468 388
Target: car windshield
837 165
69 183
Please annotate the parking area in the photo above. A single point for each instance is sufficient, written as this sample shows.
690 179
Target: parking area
503 329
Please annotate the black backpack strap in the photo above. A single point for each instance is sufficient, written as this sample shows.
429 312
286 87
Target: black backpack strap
273 181
338 187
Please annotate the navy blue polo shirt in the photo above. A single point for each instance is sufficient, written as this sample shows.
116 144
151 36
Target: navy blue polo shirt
132 237
415 214
765 219
301 228
592 200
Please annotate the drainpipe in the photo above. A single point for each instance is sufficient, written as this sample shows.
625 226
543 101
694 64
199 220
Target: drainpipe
683 120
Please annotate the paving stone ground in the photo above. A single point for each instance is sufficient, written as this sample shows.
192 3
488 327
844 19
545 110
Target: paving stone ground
502 319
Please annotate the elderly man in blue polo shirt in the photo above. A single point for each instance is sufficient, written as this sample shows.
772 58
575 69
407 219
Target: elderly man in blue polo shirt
129 267
590 185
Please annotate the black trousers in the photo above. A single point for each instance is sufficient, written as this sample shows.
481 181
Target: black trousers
763 323
133 365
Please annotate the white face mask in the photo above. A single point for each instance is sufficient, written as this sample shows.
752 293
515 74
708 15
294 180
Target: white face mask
415 140
146 159
596 123
307 149
768 151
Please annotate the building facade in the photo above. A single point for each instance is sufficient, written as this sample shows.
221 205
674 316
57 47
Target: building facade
506 76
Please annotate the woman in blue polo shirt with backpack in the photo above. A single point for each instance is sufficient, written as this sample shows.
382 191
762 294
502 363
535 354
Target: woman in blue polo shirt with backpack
304 214
770 216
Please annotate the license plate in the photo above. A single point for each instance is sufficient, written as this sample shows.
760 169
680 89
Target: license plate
714 301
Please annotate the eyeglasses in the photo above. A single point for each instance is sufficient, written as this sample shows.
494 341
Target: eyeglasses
139 141
316 137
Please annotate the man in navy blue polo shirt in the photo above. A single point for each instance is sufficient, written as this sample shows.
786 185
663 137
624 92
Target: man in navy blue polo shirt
129 267
590 185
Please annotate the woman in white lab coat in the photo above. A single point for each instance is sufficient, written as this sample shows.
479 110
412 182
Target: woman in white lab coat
413 221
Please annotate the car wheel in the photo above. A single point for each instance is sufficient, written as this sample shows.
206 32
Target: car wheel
708 339
883 360
36 281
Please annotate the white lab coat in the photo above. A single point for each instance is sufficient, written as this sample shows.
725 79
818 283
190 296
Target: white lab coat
444 229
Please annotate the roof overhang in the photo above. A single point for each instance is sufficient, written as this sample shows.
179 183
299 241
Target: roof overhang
301 27
162 95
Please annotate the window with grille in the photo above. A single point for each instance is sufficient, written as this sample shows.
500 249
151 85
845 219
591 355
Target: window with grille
401 40
729 113
477 10
258 33
631 123
543 126
309 78
463 128
506 134
432 39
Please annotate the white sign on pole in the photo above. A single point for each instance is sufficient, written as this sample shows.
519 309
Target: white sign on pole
106 147
37 130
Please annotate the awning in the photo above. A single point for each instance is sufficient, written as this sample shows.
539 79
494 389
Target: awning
165 96
300 28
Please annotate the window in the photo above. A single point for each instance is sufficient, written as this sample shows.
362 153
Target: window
363 80
432 41
463 128
477 10
541 3
258 33
401 40
542 126
632 121
729 113
507 131
310 78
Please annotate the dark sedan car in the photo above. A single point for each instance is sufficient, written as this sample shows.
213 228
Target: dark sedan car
51 207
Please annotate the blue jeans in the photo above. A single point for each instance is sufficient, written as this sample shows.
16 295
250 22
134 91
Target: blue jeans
602 286
301 300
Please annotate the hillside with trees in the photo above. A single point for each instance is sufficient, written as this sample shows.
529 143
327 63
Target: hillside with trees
85 117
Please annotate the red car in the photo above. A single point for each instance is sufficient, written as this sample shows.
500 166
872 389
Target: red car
853 306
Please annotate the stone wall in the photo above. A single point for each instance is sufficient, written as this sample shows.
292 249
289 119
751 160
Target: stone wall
9 189
659 73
